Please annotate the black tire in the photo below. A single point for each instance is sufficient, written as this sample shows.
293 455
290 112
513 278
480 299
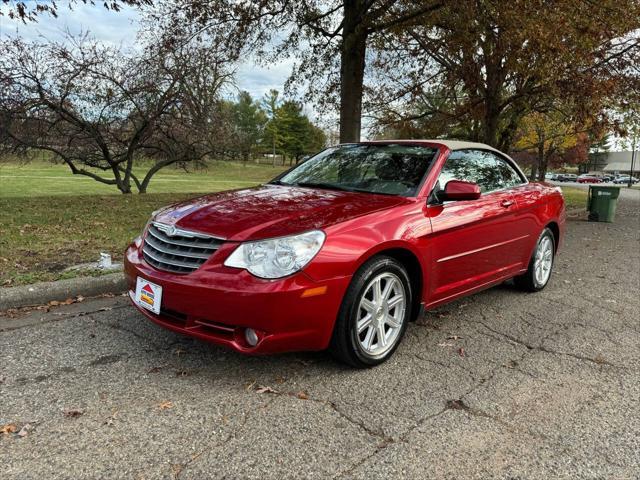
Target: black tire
345 343
528 281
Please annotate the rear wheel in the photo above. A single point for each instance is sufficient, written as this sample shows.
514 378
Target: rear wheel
374 314
539 272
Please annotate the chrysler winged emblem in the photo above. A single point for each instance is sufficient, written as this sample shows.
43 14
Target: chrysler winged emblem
169 230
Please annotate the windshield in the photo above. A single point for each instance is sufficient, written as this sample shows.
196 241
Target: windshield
385 169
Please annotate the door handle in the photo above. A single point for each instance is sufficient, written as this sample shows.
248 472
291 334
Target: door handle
506 203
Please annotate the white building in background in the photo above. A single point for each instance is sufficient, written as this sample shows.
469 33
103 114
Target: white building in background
614 162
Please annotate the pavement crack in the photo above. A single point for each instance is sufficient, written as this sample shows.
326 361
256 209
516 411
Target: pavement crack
542 348
137 335
179 468
382 446
511 338
385 439
595 361
460 405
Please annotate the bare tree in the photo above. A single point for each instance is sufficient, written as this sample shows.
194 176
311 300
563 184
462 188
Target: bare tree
330 40
29 10
100 110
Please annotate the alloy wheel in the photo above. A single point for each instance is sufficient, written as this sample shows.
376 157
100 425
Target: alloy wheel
543 261
381 314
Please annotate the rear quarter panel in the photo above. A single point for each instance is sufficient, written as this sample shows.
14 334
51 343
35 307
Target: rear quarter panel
540 204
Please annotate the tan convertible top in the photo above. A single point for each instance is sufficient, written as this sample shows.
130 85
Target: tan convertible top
451 144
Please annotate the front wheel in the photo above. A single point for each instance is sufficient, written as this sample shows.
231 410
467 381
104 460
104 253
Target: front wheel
539 272
374 314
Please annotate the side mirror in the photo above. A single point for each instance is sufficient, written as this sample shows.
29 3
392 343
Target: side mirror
460 190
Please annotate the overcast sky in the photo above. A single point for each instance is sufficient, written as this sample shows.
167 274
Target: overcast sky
119 28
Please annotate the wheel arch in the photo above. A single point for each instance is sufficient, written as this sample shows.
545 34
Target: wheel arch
410 261
555 229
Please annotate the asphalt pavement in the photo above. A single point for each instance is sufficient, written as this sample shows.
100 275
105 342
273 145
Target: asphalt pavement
502 384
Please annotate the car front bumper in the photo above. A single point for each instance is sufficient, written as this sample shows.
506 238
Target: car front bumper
217 304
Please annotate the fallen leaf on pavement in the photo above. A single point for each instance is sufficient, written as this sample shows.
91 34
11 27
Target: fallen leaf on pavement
265 389
8 428
457 405
302 395
461 352
109 421
73 413
454 337
166 405
24 431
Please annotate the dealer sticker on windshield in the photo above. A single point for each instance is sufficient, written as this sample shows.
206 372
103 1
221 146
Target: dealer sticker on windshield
148 295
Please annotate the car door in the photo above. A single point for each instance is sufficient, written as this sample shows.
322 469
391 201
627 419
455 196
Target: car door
475 242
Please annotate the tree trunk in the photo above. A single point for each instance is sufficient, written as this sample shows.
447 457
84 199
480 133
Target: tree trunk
491 122
352 63
542 171
541 163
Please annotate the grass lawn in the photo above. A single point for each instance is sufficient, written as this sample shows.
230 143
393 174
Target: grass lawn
42 178
575 197
51 219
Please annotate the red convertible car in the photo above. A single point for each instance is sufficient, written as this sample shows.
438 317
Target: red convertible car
344 250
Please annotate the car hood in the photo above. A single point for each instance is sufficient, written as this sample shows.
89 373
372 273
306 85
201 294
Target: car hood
272 211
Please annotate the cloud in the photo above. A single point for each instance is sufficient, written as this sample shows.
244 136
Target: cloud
115 28
258 80
121 28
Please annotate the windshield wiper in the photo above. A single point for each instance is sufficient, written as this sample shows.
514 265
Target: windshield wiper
373 192
333 186
328 186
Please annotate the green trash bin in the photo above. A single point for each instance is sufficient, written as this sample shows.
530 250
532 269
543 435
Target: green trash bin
602 202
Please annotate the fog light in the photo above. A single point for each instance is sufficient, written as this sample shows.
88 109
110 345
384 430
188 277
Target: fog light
251 337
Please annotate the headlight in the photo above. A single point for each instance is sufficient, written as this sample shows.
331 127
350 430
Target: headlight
277 257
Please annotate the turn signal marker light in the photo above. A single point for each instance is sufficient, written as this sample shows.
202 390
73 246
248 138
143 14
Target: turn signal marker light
314 292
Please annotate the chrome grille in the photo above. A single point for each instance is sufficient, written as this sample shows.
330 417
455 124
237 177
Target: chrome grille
175 250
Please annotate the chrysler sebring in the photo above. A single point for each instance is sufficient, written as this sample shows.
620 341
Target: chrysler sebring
345 249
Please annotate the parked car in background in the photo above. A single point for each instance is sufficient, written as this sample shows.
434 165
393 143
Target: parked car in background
344 250
607 178
567 177
622 179
586 178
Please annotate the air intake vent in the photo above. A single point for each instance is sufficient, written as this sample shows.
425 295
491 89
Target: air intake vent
175 250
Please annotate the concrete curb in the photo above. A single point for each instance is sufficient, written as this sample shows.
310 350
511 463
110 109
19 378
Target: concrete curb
44 292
